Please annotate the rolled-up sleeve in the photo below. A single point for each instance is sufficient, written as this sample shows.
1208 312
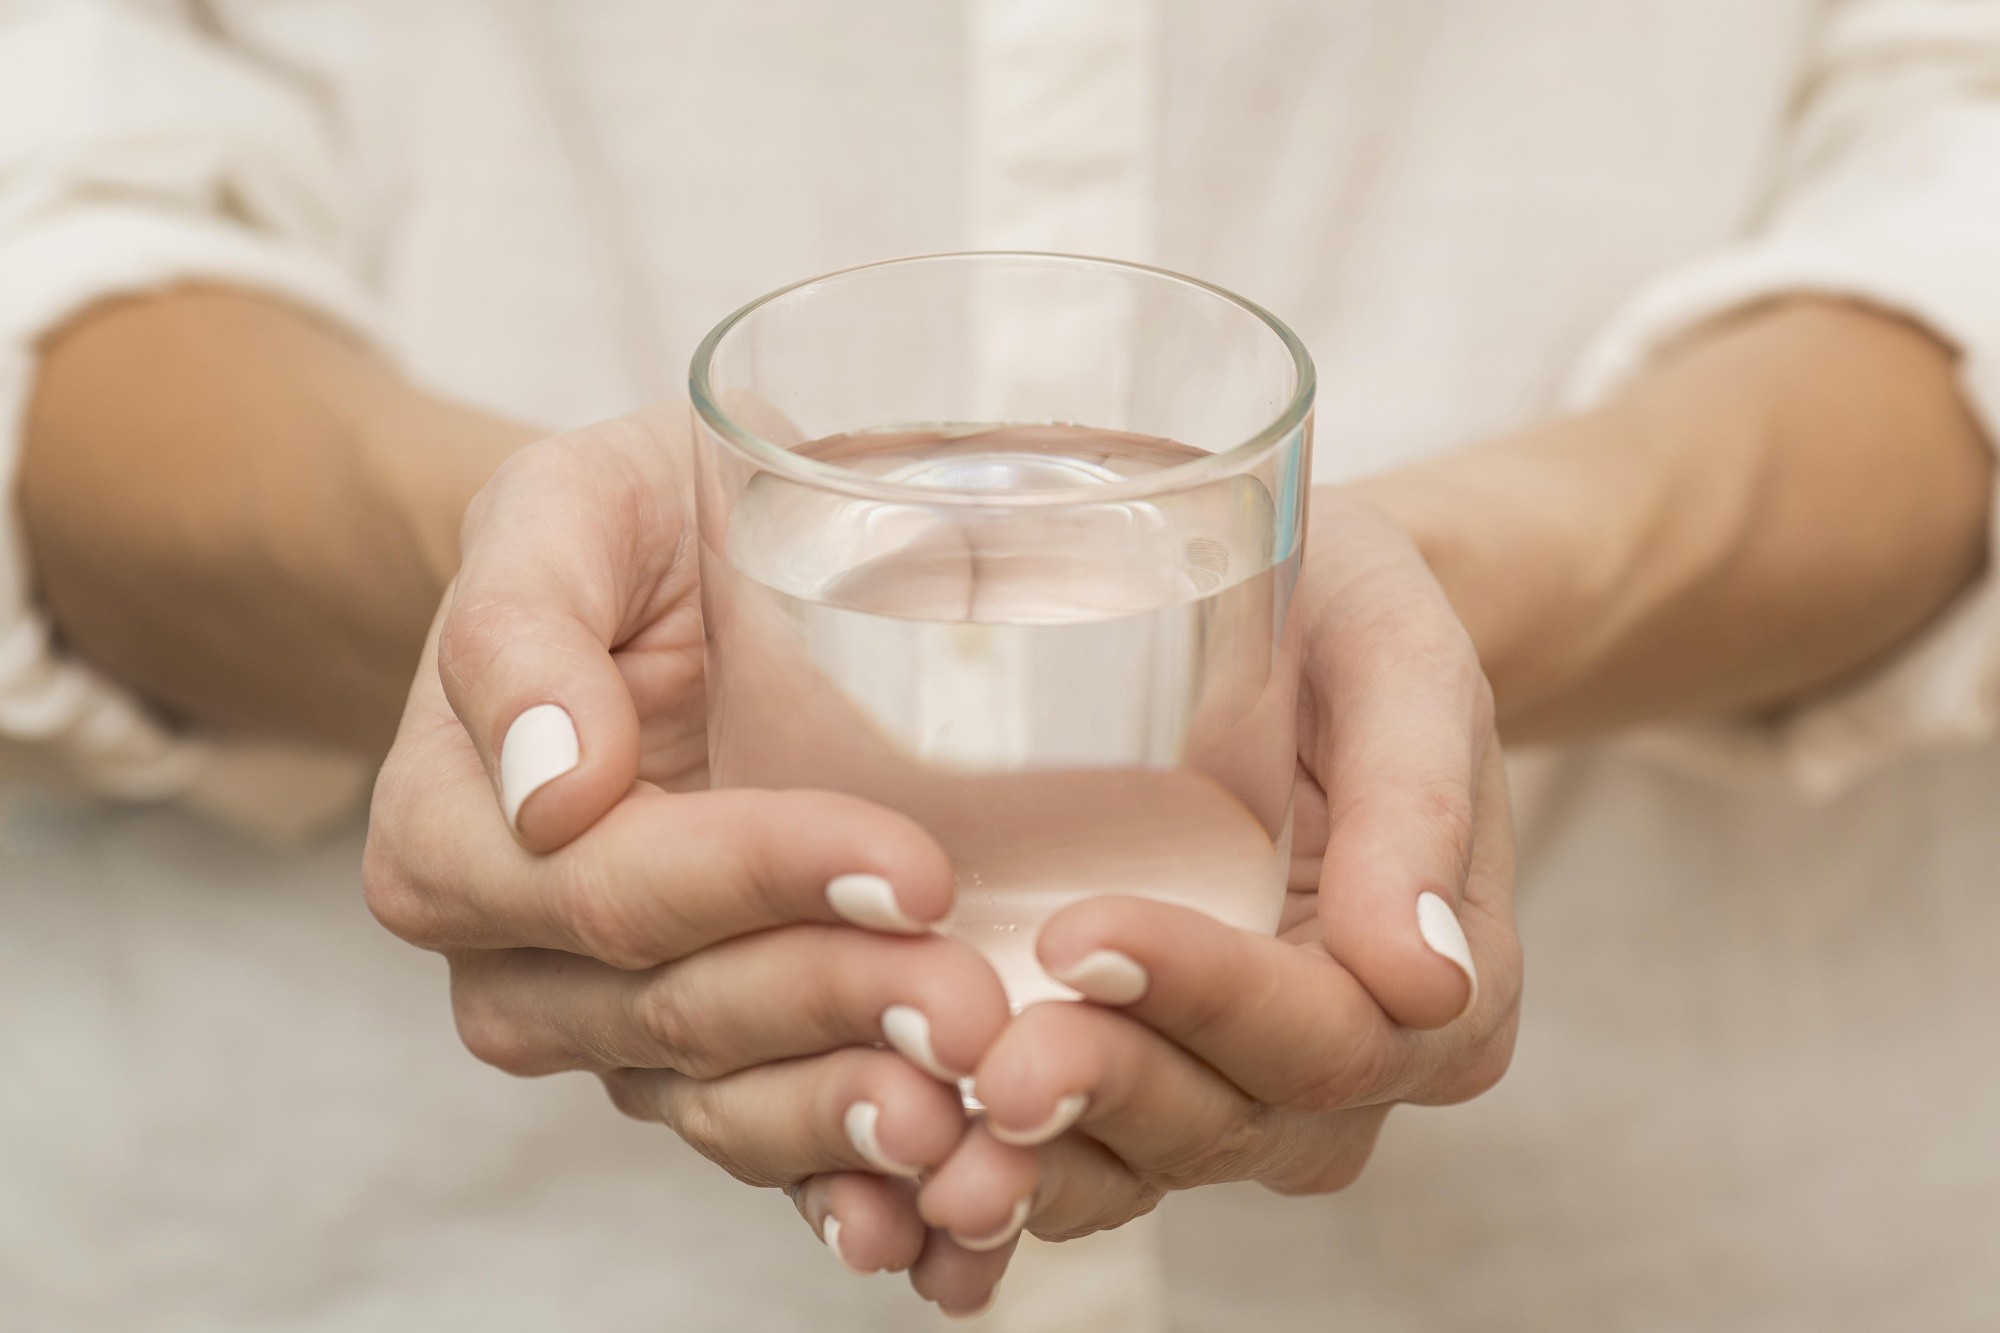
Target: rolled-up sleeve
138 151
1890 195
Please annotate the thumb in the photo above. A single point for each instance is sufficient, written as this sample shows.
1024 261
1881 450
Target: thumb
547 580
1403 744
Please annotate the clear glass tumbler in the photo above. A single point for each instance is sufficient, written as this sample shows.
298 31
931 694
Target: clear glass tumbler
1008 542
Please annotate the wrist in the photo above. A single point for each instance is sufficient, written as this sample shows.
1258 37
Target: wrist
1536 539
430 456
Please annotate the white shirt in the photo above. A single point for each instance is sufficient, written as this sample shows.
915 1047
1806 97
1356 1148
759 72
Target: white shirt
1751 1089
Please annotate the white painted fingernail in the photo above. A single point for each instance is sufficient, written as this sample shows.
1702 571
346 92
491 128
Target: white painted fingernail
1438 924
1106 976
829 1231
540 747
869 902
905 1028
1065 1114
862 1118
1015 1221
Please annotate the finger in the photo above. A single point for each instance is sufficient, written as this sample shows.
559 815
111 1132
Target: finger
1085 1189
1170 1118
1075 1186
983 1194
773 995
567 551
1286 1025
959 1281
659 877
870 1222
1399 719
854 1110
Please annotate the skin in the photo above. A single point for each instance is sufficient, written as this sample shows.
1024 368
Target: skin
244 515
250 521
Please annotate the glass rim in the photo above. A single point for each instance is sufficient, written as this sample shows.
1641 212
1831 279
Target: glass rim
831 476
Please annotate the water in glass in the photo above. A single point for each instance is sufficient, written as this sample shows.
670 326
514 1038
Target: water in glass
1077 699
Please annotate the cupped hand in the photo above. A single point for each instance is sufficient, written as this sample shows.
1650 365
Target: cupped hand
540 822
1214 1055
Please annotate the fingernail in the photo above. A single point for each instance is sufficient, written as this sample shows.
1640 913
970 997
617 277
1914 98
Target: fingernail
869 902
1015 1221
540 747
1065 1114
1438 924
829 1231
905 1028
1106 976
862 1118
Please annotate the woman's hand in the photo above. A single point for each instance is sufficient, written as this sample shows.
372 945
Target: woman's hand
541 822
1785 497
1214 1055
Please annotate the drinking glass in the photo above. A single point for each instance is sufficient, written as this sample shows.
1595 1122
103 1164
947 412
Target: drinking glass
1007 542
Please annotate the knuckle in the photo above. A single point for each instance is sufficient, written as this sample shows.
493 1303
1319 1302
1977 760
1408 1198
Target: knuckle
836 1004
1132 1204
604 922
393 897
682 1105
1435 814
493 1038
1339 1082
1232 1154
1207 1013
1480 1070
1445 811
665 1015
475 632
697 1125
411 878
738 824
700 1127
588 918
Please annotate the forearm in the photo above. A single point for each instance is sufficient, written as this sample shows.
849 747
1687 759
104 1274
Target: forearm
243 515
1780 504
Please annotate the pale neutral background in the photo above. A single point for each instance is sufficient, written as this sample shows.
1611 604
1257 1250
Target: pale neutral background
1755 1085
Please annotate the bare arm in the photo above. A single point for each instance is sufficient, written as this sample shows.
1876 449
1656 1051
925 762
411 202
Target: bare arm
244 515
250 519
1785 500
